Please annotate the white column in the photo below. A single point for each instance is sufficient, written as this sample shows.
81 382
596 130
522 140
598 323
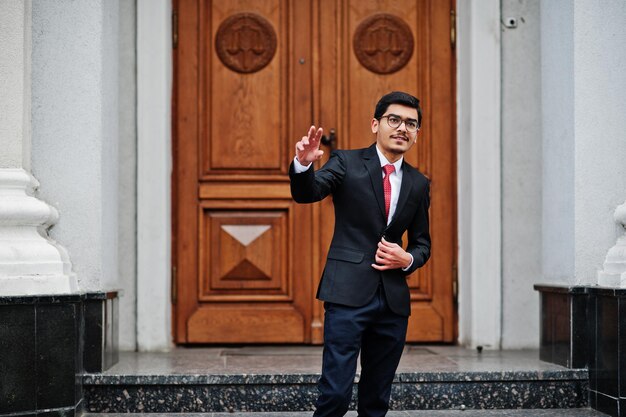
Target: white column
479 173
75 125
30 262
557 113
584 146
521 173
154 168
600 126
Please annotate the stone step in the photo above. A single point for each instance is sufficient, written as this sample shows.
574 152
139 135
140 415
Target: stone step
284 379
570 412
297 392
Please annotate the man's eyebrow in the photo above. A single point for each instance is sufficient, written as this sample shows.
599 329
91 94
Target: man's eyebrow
410 119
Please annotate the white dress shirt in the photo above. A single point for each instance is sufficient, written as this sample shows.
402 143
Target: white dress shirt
395 179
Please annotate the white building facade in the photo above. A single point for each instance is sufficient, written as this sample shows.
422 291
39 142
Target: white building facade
541 156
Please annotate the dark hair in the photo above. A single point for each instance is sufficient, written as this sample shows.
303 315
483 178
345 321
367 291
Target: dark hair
398 97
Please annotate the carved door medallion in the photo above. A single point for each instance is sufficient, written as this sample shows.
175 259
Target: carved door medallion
251 77
245 42
383 43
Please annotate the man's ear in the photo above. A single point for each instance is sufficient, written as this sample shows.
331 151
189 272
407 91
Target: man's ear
374 125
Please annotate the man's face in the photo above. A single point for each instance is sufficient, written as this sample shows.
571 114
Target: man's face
395 140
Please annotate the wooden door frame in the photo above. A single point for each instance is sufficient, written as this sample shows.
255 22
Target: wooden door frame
184 175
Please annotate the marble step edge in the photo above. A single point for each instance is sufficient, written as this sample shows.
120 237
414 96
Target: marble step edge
555 412
294 378
301 397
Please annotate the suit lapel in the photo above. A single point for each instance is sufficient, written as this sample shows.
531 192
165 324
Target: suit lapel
373 167
405 188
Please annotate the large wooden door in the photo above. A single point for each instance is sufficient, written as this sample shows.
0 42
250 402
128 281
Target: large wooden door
250 77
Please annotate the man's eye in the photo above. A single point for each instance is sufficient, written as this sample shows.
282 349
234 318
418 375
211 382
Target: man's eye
394 119
411 125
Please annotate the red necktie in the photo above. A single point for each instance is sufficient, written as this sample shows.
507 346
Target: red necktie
387 186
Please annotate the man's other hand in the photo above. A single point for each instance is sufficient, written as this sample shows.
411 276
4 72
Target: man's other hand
390 256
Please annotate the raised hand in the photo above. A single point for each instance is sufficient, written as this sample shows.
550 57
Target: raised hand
308 148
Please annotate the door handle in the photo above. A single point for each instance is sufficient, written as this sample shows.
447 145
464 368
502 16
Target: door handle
330 140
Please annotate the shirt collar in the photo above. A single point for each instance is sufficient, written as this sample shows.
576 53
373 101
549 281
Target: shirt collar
383 161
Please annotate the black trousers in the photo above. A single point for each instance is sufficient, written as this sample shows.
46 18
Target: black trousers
379 335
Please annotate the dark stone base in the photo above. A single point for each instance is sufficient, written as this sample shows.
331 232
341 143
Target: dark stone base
586 326
42 342
606 404
563 341
40 353
101 312
607 329
423 391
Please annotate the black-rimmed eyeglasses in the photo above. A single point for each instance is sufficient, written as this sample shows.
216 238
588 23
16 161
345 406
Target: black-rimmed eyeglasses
394 122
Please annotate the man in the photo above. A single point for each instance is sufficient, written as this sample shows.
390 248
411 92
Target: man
377 197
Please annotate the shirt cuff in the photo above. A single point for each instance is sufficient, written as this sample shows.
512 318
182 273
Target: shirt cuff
298 168
408 267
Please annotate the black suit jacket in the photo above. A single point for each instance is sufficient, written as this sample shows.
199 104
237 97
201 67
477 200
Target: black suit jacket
354 178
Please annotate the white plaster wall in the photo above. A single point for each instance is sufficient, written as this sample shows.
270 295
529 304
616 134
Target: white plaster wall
14 87
600 126
75 129
127 175
521 174
557 111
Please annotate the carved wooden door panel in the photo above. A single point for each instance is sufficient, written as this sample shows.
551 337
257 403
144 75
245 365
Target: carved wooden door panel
371 47
250 77
243 247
